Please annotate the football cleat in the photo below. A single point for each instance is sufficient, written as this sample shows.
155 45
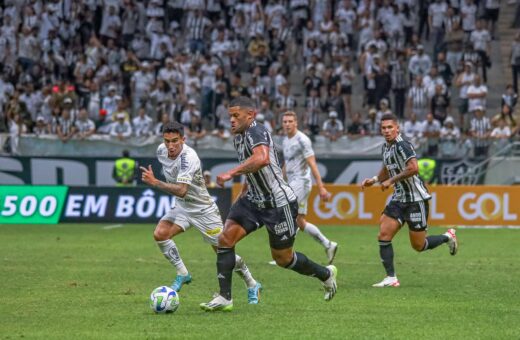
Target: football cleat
330 285
272 263
253 294
181 280
331 251
219 303
452 242
389 281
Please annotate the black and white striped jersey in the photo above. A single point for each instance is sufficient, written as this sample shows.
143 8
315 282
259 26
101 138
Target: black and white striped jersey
266 187
395 157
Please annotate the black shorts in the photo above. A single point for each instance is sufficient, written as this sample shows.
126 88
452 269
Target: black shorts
346 89
492 14
413 213
280 222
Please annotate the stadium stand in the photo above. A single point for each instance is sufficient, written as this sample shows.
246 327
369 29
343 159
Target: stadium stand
115 71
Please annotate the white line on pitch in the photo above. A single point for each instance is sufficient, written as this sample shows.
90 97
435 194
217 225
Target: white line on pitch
113 226
488 227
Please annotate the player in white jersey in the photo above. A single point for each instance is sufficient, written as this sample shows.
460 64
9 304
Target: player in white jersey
194 206
300 163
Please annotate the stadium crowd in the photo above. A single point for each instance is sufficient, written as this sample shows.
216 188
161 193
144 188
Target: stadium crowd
125 68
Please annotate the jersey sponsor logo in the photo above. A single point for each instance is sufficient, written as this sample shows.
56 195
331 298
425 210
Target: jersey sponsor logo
184 162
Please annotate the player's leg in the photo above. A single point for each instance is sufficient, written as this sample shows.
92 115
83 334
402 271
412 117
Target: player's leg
330 246
417 217
167 228
280 223
242 270
302 189
239 223
390 223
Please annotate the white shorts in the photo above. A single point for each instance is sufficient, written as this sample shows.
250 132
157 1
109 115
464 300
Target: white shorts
208 223
302 189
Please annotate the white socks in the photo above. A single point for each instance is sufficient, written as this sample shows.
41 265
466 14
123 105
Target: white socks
169 250
316 234
242 270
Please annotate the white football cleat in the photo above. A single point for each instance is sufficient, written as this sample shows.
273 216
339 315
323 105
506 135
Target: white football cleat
219 303
452 242
331 251
272 263
389 281
330 285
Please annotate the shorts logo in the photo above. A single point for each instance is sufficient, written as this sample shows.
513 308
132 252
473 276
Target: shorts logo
214 231
415 217
281 228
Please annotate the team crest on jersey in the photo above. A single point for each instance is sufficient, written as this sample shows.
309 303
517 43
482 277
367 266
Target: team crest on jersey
250 139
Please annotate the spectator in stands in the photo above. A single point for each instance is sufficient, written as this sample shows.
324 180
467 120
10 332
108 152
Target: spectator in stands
492 8
222 132
413 129
195 129
506 114
398 72
419 64
418 101
372 125
515 61
449 137
481 39
142 124
186 117
502 131
41 127
356 127
332 127
464 80
480 131
509 98
454 45
260 118
65 129
440 103
121 128
431 131
84 126
313 112
165 119
477 94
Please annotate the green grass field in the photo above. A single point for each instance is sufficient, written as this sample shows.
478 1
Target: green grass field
83 281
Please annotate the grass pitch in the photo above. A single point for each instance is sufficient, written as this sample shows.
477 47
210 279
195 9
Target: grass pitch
83 281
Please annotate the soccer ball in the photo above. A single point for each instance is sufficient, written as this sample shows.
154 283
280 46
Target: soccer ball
164 300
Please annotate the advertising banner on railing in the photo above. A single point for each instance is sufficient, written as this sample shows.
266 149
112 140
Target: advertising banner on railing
53 204
84 171
450 205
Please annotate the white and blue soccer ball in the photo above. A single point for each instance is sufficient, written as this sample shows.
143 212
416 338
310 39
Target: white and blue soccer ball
164 300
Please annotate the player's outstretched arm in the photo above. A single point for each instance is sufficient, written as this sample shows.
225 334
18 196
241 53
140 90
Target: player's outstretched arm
381 177
257 161
324 194
410 170
149 178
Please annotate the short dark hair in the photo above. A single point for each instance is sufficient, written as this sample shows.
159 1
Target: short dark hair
173 127
389 116
243 102
126 153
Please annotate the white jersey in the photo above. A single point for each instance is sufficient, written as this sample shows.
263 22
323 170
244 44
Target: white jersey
296 150
186 169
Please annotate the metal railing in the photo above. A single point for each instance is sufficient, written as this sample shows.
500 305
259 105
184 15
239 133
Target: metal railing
510 150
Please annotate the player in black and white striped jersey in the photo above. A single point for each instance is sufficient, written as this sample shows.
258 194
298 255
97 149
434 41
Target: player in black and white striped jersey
266 199
409 202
